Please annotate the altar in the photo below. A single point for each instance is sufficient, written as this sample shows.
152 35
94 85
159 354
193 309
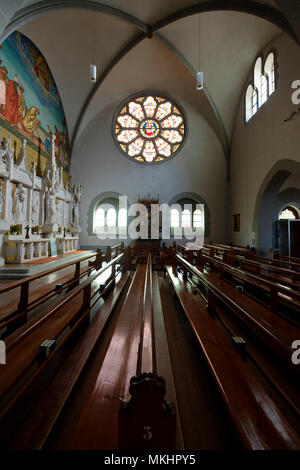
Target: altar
35 207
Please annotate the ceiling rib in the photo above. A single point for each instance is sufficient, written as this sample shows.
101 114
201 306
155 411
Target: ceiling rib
260 10
30 12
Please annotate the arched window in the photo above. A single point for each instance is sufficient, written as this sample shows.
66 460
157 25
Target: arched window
99 218
270 72
111 218
264 81
186 218
249 95
197 219
174 218
257 78
254 102
264 89
289 213
122 219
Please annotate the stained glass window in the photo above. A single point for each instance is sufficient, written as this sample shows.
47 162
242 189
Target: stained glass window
149 128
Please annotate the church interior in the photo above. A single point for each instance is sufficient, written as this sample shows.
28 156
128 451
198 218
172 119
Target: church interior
149 225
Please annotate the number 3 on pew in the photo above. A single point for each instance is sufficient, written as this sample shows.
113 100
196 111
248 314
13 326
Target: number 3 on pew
147 433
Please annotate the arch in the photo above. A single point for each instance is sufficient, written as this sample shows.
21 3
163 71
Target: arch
107 197
270 200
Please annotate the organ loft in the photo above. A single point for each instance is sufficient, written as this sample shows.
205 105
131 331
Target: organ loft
149 226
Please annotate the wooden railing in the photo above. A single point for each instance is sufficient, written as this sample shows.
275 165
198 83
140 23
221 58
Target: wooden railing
19 316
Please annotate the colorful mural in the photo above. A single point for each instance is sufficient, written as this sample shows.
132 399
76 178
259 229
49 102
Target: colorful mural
30 105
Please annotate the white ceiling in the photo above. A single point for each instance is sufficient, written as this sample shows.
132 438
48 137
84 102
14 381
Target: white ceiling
229 43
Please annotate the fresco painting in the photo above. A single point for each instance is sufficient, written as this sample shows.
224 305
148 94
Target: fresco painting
30 105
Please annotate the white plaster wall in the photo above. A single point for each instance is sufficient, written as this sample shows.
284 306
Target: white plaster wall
265 139
200 167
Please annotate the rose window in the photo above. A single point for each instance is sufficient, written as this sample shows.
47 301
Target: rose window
149 128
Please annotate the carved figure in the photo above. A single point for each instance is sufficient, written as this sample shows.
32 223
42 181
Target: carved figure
18 203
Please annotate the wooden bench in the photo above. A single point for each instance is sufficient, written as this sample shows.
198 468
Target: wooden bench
274 330
259 422
43 416
276 291
62 322
130 357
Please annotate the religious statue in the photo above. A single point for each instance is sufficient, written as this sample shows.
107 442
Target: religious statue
35 208
77 195
18 203
1 199
4 159
51 207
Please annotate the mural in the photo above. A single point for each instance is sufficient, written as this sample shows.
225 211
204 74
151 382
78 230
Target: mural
30 105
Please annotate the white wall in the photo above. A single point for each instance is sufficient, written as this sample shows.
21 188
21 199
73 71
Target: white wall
200 167
263 141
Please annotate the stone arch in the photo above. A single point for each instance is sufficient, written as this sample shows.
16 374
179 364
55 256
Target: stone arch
271 200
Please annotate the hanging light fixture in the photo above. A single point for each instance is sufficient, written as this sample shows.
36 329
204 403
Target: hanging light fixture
200 81
199 75
93 67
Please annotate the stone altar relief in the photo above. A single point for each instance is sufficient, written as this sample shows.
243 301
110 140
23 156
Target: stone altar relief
35 208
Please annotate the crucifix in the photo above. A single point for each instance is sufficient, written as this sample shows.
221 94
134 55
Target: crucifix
27 231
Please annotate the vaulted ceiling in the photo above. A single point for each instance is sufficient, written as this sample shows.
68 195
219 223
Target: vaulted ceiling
229 43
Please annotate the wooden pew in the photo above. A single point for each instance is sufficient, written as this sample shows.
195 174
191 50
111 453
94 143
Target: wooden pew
26 372
259 422
34 432
277 292
128 367
274 330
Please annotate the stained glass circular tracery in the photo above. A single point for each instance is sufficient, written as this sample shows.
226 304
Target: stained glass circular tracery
150 128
